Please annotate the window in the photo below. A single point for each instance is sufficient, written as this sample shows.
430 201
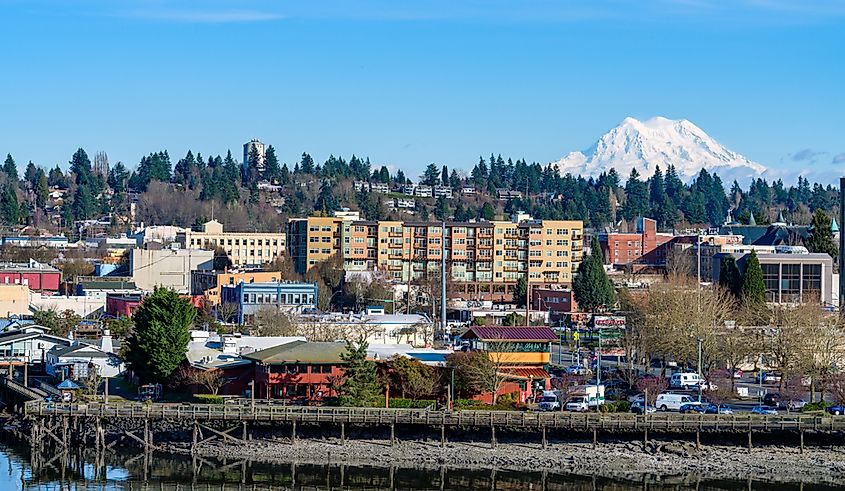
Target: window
811 282
771 273
790 282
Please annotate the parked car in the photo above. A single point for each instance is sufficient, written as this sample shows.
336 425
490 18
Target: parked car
836 409
718 409
577 370
668 401
772 399
767 377
637 408
577 404
685 380
764 410
792 404
693 408
636 398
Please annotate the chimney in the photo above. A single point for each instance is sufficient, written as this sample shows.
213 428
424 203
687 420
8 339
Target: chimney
106 342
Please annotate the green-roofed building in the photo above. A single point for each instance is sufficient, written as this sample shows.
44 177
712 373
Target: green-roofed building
298 371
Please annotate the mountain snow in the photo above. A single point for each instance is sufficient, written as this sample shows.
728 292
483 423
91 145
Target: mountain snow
643 145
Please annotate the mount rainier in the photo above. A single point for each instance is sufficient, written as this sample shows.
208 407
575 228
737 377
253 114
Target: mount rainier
642 145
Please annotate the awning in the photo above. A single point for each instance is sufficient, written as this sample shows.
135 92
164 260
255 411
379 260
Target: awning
526 373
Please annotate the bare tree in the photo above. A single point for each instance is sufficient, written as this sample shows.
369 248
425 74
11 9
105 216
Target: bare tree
211 380
273 322
92 380
652 386
227 311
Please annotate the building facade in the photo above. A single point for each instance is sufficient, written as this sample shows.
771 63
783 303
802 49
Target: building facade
243 248
300 370
169 268
250 298
208 283
484 260
38 277
640 249
790 278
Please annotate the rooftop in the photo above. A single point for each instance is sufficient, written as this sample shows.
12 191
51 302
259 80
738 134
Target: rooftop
300 352
540 334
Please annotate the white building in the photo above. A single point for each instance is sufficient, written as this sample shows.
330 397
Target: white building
423 191
379 187
75 361
444 191
262 152
374 326
29 343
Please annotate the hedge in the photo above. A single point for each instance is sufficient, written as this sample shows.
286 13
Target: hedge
208 399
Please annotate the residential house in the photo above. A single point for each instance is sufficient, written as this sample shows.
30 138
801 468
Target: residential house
29 344
76 360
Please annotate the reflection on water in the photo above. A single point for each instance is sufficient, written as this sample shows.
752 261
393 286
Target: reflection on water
132 471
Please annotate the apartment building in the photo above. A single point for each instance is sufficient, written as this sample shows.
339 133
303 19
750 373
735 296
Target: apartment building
484 260
640 249
243 248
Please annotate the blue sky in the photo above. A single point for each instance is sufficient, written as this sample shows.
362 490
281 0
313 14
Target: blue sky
408 83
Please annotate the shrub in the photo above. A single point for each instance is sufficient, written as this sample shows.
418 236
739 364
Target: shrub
400 403
623 406
208 399
814 406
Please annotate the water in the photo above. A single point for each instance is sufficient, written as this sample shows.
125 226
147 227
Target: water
132 471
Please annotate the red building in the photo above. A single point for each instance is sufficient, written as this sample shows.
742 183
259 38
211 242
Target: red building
557 303
638 250
300 371
39 277
122 305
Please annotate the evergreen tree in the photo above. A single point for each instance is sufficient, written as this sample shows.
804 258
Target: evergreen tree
753 291
42 190
10 210
487 212
10 168
821 235
306 165
444 176
84 206
80 166
360 387
31 175
431 176
520 292
326 200
117 178
454 180
592 288
57 178
636 197
441 208
729 276
158 344
272 171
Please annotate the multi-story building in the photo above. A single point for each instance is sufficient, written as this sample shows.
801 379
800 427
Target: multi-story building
262 151
379 187
250 298
423 191
243 248
484 260
37 276
790 278
208 283
640 249
168 268
444 191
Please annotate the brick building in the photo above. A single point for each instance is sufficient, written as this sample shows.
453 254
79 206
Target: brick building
642 249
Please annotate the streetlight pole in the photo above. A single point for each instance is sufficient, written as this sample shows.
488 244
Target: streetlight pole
699 369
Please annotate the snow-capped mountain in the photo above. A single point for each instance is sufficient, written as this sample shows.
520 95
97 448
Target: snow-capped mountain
660 141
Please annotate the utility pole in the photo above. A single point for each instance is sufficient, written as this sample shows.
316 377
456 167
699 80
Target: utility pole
443 280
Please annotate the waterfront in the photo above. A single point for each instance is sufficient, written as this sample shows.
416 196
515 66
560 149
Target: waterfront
128 471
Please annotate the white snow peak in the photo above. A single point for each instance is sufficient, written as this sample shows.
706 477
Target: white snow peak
642 145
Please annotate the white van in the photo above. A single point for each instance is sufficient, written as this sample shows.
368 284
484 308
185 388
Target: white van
668 401
686 380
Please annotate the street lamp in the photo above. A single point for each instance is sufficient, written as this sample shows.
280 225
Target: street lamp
699 369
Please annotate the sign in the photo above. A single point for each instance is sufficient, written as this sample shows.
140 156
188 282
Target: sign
605 321
612 352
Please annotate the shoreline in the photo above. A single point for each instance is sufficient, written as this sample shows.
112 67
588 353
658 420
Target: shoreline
617 460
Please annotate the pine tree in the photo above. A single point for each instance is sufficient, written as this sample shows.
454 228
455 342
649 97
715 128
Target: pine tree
42 190
487 212
753 291
441 208
444 176
636 197
158 344
821 235
520 292
10 210
10 168
729 276
306 165
31 175
431 176
360 387
80 166
592 287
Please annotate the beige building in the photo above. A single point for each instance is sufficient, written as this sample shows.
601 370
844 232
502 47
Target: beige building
243 248
208 283
14 300
484 260
169 268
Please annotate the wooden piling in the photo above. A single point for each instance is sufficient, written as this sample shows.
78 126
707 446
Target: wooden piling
293 432
442 436
392 434
749 441
492 437
545 441
342 433
595 437
801 435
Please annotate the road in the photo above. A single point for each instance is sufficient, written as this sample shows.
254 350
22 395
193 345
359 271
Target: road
755 391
